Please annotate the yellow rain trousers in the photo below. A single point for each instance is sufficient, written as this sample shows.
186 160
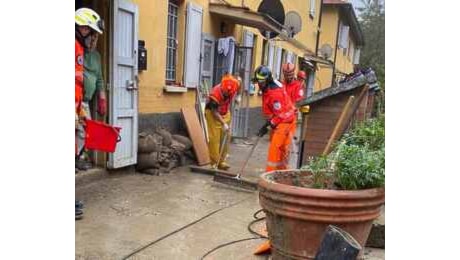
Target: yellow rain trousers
216 135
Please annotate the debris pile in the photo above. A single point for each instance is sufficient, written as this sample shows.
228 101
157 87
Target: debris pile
160 151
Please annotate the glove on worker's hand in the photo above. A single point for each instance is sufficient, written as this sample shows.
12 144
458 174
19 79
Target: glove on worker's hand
226 128
101 106
264 129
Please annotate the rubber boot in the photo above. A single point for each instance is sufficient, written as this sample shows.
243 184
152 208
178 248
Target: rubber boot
265 247
223 166
78 214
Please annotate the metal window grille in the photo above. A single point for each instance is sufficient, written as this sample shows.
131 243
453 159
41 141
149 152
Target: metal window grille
171 49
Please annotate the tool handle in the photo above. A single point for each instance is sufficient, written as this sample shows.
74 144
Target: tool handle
249 156
222 147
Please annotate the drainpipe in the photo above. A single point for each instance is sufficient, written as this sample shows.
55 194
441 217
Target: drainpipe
336 47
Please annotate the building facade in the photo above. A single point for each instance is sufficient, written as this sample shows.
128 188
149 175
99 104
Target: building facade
188 44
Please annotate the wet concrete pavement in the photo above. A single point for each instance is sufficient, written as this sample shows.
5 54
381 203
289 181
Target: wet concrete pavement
129 211
125 212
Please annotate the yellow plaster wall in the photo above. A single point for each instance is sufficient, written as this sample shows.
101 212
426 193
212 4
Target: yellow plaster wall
153 30
153 17
328 35
343 62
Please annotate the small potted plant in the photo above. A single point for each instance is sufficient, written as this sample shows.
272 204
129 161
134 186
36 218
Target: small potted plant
344 188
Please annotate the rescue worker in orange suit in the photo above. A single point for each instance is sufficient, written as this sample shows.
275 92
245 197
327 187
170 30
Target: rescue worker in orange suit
280 113
301 77
218 118
86 22
294 87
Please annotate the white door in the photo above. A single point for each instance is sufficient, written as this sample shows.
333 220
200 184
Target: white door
124 87
193 45
207 59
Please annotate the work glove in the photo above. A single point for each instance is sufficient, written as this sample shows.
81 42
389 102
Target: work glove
226 127
264 129
101 106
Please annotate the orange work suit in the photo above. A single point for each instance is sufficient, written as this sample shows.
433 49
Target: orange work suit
79 55
294 90
277 106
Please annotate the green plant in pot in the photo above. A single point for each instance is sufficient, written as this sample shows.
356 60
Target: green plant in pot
357 162
344 188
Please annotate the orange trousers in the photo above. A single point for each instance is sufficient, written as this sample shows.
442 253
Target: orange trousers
280 142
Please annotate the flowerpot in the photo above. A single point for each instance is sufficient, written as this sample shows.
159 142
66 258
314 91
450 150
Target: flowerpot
297 217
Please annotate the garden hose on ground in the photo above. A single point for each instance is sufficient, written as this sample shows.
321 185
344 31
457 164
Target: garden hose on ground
256 219
182 228
258 236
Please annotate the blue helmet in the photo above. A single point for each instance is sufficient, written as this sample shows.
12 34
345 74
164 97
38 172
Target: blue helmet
263 73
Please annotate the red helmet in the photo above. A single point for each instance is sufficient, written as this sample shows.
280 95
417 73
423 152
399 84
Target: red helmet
302 75
229 84
288 69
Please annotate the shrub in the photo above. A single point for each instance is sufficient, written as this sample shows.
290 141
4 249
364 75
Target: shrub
357 161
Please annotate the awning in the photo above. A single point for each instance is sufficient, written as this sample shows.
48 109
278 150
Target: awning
316 59
245 16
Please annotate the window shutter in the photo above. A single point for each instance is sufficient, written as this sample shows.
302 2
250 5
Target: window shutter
312 8
193 45
271 55
343 39
356 56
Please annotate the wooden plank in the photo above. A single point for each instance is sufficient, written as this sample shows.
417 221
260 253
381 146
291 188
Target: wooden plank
321 127
355 109
195 131
339 125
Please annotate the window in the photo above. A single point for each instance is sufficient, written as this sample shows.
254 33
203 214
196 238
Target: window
356 56
171 45
312 8
264 52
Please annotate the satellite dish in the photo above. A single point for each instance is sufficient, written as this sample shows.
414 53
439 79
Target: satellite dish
325 51
274 9
293 23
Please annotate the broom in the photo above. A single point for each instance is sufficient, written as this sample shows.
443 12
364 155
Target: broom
237 181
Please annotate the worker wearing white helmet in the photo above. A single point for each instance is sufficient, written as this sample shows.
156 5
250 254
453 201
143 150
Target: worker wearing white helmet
86 22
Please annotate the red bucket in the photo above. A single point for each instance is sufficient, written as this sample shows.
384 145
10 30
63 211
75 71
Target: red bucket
101 137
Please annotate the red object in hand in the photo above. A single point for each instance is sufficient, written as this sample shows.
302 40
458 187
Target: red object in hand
101 106
101 137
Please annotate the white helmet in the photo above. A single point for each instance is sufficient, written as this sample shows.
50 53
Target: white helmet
88 17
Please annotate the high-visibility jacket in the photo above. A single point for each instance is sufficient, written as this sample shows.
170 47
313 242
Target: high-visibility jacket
79 55
224 92
295 90
277 105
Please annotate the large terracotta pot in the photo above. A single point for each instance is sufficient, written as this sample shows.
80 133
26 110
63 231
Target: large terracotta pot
297 217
